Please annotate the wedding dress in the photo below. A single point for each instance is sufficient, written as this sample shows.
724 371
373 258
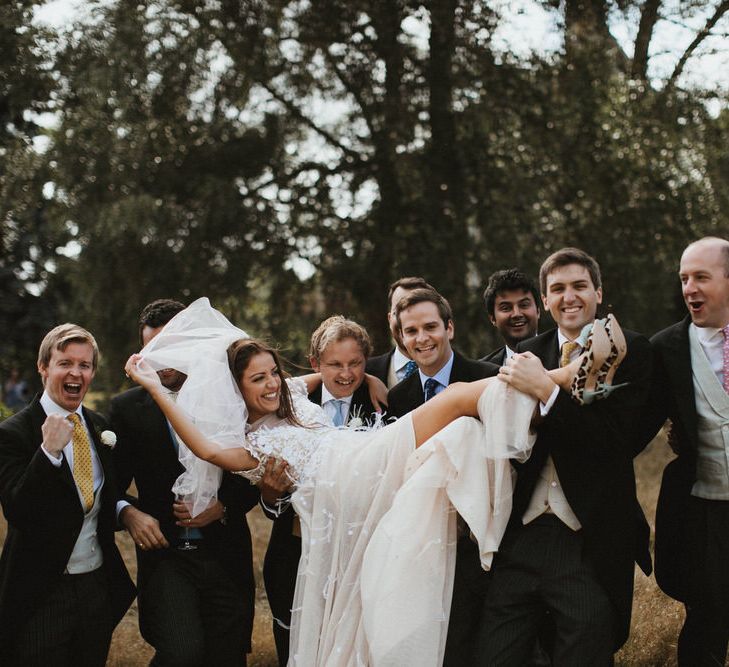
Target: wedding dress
378 520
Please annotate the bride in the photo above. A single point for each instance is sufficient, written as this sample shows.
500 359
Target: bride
377 506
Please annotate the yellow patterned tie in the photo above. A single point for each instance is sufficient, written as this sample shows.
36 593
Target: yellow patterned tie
567 350
83 471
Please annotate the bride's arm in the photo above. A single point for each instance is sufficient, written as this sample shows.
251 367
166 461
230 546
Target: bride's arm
235 458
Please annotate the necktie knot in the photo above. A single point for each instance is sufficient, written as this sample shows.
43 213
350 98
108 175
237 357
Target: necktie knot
567 349
431 384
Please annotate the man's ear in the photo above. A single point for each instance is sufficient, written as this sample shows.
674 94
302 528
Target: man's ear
492 319
314 362
43 372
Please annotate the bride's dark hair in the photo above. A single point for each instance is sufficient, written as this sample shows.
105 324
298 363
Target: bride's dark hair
240 354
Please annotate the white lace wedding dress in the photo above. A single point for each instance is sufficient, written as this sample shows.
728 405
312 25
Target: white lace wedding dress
378 521
378 517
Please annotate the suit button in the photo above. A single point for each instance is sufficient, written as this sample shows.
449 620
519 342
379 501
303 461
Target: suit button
553 484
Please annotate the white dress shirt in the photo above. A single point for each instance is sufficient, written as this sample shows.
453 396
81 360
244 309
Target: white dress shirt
330 407
50 407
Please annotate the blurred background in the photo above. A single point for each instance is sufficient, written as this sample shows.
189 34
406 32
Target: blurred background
290 158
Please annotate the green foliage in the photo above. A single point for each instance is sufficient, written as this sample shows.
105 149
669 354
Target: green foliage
213 148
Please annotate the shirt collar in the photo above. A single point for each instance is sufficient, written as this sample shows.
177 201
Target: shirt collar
509 352
326 396
50 407
443 376
706 335
562 339
399 360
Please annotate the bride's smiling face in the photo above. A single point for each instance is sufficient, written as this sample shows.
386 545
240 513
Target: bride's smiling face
260 385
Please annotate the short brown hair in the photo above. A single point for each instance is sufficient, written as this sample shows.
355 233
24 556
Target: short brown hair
335 329
60 337
422 296
158 313
567 256
240 354
407 283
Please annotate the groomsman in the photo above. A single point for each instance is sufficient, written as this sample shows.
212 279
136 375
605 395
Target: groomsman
512 304
690 386
425 326
195 606
338 350
63 584
396 365
576 528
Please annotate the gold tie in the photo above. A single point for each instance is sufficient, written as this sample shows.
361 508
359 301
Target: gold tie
567 349
83 471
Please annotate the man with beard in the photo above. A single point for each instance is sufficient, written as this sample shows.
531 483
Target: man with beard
512 304
195 604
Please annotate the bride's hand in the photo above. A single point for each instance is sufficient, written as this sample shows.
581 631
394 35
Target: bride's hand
142 373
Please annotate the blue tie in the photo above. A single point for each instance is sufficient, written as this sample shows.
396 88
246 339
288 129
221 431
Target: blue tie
339 414
408 369
430 386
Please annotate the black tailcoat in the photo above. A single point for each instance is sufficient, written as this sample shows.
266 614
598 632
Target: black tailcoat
44 514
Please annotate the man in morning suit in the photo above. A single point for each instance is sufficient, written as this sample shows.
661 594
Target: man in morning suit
63 584
195 606
396 365
576 529
690 386
425 325
512 304
338 350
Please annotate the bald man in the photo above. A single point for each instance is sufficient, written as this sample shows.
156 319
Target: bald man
690 386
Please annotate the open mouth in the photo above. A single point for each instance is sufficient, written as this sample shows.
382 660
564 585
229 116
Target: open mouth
73 388
346 383
695 306
271 397
425 350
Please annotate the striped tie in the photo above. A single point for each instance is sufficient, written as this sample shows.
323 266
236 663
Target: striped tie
83 471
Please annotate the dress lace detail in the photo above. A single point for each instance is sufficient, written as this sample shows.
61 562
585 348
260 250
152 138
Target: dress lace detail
300 447
378 520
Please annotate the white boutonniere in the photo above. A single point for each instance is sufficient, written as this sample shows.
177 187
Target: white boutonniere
355 422
108 438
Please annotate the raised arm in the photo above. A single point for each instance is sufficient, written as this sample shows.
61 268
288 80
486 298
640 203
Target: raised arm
235 458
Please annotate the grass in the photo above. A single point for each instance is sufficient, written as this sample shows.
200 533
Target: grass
656 618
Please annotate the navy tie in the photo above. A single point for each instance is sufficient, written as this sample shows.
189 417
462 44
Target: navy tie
430 386
408 369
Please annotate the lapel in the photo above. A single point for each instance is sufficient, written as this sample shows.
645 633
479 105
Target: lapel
102 451
361 404
414 395
459 371
546 347
38 416
677 362
315 396
159 428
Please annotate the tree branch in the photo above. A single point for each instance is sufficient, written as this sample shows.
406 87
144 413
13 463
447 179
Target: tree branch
648 20
703 34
